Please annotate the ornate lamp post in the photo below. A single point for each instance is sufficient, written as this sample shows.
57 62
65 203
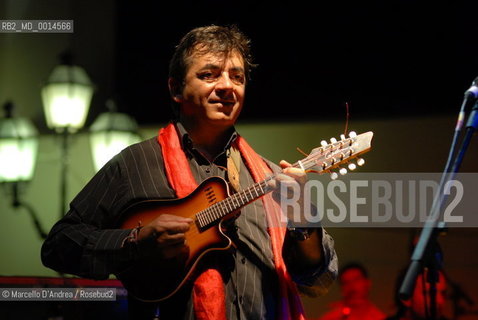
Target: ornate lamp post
110 133
66 101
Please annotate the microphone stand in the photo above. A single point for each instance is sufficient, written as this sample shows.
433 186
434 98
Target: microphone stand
426 252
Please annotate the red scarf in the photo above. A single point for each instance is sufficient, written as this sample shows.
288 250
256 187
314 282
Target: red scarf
208 291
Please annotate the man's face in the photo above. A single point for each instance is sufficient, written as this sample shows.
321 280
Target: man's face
354 285
214 89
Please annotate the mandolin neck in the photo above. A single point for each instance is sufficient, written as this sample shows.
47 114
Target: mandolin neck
322 159
221 209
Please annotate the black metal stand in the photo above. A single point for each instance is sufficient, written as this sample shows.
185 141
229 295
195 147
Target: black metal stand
426 252
65 135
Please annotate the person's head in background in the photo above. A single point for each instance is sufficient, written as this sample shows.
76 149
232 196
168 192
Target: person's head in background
418 306
354 283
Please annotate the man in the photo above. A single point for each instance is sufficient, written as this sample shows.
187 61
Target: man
355 304
252 279
418 306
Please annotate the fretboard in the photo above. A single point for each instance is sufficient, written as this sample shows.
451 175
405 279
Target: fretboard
323 159
221 209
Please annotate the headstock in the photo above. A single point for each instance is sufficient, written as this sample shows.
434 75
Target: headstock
333 155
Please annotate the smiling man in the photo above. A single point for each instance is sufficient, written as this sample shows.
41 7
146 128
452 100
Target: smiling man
262 267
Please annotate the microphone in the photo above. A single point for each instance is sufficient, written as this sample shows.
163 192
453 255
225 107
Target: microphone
473 90
471 95
473 118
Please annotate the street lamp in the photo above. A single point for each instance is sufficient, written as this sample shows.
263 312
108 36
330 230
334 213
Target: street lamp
18 153
110 133
66 101
18 147
67 96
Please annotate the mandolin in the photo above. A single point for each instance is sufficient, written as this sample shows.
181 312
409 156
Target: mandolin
210 205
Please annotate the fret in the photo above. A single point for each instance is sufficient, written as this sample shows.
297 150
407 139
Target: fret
232 204
217 212
240 197
244 196
238 204
212 216
257 191
223 209
254 187
211 213
199 218
252 197
227 205
206 218
215 209
203 218
262 190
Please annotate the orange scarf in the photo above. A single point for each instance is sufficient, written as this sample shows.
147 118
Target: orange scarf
208 290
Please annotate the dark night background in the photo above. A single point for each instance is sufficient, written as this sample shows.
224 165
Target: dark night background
385 58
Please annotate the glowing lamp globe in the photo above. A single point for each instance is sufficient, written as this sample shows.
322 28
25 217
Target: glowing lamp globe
110 133
18 149
66 98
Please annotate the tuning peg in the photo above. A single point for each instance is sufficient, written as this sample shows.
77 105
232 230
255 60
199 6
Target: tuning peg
352 166
323 143
333 140
342 136
360 161
343 171
334 176
352 134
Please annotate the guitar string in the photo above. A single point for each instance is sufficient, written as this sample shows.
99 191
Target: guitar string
227 206
344 146
224 211
209 215
214 212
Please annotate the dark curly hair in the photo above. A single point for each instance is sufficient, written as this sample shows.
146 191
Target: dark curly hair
215 39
